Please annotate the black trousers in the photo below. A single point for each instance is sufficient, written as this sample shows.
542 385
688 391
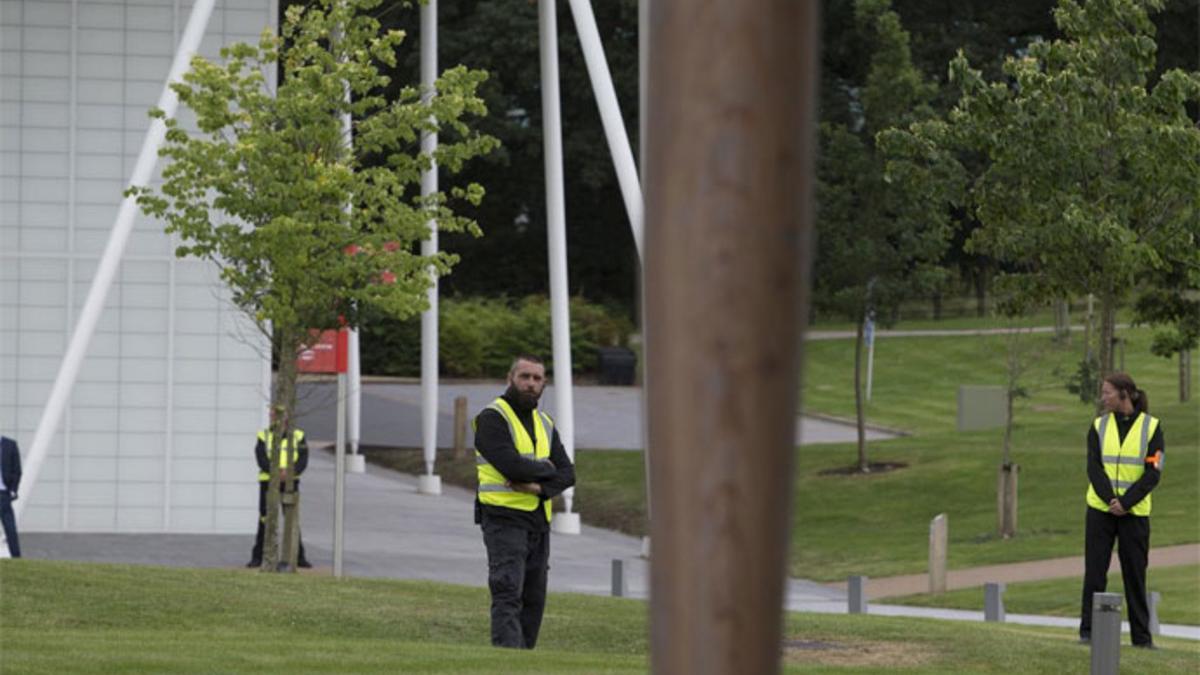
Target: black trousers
518 563
9 521
256 554
1133 550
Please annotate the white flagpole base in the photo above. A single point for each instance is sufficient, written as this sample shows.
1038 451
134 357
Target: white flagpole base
565 523
356 464
429 485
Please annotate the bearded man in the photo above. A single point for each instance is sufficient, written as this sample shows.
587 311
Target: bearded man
521 465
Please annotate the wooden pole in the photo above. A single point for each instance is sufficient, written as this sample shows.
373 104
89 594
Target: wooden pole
729 182
460 428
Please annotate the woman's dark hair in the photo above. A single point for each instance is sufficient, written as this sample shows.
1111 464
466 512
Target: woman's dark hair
1123 383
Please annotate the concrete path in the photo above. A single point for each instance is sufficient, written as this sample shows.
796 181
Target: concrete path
606 418
1033 570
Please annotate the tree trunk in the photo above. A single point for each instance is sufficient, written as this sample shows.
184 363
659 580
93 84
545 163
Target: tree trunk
1185 375
1005 455
1108 314
1005 489
981 293
287 342
863 465
937 306
1062 321
1006 500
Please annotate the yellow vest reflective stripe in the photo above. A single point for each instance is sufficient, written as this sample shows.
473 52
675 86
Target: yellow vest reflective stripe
288 458
492 488
1124 462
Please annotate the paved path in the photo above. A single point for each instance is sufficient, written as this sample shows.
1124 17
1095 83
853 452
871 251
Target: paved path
935 332
1033 570
608 418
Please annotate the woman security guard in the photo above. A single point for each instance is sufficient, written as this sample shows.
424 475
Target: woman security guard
1124 463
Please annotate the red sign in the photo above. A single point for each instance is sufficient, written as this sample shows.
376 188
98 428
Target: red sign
321 356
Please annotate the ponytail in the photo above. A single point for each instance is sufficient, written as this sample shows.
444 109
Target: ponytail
1141 403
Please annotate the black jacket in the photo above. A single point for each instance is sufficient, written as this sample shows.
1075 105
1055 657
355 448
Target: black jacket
1095 464
10 464
494 441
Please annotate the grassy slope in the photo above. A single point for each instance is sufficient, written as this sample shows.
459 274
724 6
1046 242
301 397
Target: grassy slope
72 617
1180 588
878 525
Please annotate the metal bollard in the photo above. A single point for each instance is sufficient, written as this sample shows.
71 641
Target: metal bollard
993 602
1152 600
857 595
619 589
1106 633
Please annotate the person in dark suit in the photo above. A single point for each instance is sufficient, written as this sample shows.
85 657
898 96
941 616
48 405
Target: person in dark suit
10 473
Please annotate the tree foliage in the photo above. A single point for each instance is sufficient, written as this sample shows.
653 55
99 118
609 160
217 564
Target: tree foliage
1090 177
878 243
308 226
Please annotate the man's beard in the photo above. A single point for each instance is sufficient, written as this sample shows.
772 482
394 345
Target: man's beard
523 400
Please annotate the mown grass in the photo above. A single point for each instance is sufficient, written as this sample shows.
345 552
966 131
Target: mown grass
878 524
1179 586
76 617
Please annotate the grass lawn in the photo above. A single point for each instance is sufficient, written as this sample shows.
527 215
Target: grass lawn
877 524
74 617
1180 588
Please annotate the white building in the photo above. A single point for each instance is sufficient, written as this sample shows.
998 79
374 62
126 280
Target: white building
159 432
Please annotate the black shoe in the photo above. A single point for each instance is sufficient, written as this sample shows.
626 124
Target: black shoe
304 564
1085 639
254 562
1145 645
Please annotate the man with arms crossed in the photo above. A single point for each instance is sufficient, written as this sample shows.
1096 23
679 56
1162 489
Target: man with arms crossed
521 465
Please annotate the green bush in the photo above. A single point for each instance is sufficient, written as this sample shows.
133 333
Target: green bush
479 336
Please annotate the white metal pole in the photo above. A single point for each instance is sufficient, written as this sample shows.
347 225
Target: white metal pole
339 478
556 235
355 462
110 261
610 116
429 483
643 89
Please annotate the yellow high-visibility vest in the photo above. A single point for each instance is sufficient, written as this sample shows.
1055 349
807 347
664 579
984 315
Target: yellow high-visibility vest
288 459
492 488
1124 462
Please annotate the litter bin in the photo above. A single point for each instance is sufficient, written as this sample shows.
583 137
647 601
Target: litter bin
616 365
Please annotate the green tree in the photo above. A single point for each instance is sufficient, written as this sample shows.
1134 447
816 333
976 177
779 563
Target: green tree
1091 178
1170 300
876 243
307 226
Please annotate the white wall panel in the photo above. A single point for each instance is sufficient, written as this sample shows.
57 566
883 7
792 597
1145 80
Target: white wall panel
193 519
142 409
92 519
140 493
142 444
194 471
99 15
140 519
92 493
93 469
47 13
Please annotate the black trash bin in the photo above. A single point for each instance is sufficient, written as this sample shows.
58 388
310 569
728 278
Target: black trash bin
616 365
